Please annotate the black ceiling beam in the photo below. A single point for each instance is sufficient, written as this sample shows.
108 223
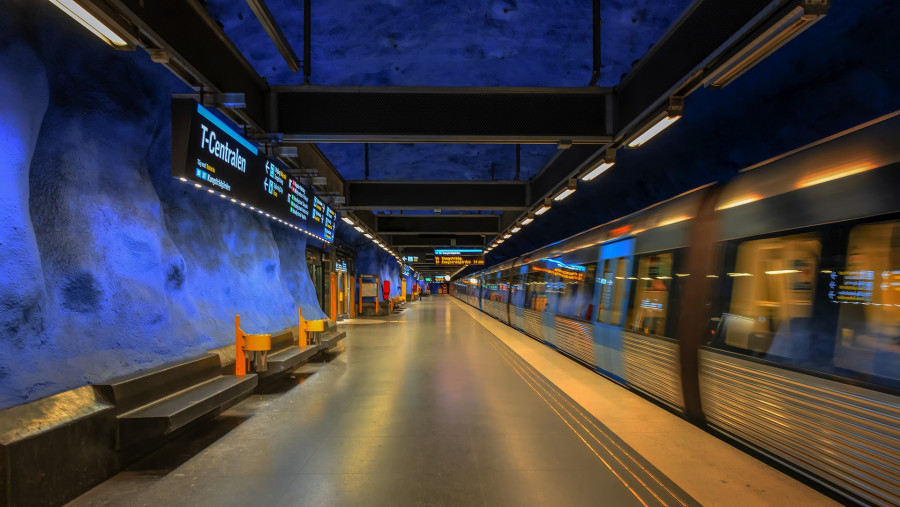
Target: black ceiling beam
434 241
437 224
678 64
270 25
443 114
448 195
695 47
190 37
566 164
183 36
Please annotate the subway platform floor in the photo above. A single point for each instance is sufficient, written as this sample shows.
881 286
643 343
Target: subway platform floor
443 405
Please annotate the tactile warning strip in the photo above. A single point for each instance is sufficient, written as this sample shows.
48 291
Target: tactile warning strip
646 482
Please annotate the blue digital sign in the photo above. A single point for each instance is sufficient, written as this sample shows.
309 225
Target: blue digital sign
212 156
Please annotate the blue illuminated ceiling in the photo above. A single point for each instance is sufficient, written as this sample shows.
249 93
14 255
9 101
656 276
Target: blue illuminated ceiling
841 72
438 43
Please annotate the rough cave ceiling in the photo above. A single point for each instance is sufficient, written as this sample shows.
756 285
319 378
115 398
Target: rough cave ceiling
436 43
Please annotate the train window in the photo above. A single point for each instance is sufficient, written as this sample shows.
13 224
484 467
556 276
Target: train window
868 290
613 280
651 297
574 290
772 297
535 289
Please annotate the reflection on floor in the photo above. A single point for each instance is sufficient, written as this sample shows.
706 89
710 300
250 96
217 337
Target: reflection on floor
437 406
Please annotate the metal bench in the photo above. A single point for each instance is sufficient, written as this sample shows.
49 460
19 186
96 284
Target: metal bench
331 336
159 401
286 356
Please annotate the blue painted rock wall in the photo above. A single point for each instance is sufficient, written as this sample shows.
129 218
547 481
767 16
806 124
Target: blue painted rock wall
111 265
372 260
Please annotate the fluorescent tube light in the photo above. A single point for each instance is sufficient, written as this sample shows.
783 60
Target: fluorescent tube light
597 171
89 21
359 229
368 235
658 127
527 221
771 36
515 229
507 236
565 193
347 220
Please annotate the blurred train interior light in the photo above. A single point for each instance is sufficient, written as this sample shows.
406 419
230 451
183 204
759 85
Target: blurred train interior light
673 220
833 174
740 201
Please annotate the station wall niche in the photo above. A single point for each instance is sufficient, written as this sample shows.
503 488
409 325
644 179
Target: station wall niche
111 265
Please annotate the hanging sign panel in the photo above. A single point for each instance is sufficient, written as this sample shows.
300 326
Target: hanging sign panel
329 224
211 155
458 257
208 152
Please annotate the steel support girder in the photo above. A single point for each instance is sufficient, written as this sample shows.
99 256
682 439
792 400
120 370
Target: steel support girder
440 241
199 52
438 224
450 195
443 115
691 50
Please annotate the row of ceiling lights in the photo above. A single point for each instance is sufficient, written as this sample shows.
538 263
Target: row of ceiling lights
378 242
657 124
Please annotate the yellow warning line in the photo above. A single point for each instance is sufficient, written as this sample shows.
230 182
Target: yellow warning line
624 451
550 389
608 466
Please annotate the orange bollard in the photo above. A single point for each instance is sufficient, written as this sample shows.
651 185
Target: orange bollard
333 291
240 362
302 335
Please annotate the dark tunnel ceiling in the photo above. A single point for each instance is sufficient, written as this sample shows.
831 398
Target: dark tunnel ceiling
437 43
840 73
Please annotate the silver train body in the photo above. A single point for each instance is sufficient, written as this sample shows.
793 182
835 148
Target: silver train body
766 309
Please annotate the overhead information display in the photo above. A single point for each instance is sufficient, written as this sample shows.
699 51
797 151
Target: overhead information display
329 224
458 257
212 155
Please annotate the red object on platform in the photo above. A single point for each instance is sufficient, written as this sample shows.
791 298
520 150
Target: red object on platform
386 290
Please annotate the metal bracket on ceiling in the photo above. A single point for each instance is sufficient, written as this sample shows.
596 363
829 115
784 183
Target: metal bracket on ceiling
208 99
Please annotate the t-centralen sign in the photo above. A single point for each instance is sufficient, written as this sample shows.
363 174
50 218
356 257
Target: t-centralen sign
211 155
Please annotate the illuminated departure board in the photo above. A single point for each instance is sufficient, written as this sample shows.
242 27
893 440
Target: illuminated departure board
211 155
329 223
458 257
317 217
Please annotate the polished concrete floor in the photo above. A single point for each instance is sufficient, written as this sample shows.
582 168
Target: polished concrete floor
423 408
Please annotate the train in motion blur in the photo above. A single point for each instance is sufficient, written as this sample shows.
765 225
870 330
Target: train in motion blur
766 309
